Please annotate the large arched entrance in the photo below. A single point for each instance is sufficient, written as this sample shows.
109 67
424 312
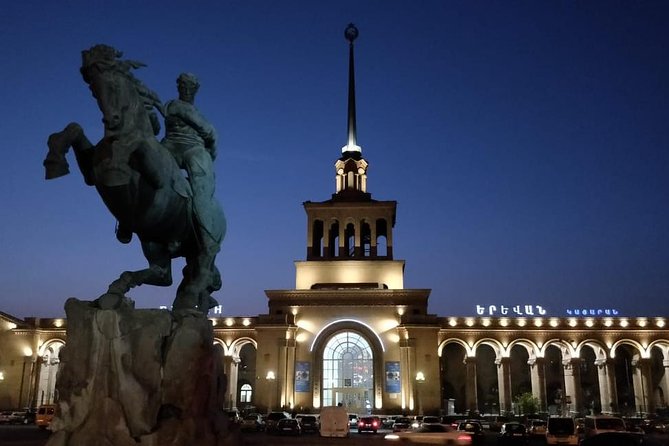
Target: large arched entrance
48 369
348 372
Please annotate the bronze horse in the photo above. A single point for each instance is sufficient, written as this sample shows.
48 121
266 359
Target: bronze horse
141 184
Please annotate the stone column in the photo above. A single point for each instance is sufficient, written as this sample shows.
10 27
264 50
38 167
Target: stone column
289 387
504 384
605 395
538 377
372 228
572 384
231 371
407 370
664 384
643 395
471 397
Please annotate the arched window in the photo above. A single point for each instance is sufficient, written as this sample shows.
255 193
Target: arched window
246 393
348 372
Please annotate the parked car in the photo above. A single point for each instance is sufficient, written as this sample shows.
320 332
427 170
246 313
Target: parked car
273 419
17 417
288 426
537 427
595 425
473 428
614 438
369 424
429 419
252 422
45 415
561 430
513 433
5 416
309 423
387 422
233 416
496 422
440 434
402 424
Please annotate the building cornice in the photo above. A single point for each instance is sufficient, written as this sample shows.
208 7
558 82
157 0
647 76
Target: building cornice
349 297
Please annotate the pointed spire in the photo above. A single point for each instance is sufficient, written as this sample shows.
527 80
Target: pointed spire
351 33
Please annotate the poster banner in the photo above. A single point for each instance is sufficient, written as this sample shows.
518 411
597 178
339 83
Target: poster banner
302 377
393 377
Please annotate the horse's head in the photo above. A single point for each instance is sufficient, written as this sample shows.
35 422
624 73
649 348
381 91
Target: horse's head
121 97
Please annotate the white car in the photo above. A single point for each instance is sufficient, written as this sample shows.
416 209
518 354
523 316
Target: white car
431 434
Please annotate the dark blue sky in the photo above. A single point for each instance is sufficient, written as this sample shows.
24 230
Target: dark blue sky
526 142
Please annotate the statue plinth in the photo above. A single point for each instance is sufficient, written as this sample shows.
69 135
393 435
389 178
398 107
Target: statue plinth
147 377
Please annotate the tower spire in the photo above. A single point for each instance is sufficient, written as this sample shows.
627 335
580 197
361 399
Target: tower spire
351 33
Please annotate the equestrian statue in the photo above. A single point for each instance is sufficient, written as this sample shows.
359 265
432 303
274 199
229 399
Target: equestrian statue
162 191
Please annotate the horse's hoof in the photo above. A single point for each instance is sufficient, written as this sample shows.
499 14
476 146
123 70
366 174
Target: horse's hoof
123 235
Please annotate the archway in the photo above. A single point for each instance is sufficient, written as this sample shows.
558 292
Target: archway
348 372
49 362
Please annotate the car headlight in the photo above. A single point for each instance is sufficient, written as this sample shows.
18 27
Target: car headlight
392 437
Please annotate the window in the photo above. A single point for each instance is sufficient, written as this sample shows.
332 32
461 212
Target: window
348 372
246 393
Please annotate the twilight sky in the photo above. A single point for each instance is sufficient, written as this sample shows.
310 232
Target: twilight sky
526 142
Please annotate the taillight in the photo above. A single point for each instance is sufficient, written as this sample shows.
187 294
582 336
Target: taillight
465 438
374 423
361 424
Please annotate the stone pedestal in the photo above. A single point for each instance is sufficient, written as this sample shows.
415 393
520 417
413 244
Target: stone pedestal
139 377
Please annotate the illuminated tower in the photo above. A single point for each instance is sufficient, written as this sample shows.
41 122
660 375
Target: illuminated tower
351 226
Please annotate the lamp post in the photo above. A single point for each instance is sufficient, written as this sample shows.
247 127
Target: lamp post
420 379
270 379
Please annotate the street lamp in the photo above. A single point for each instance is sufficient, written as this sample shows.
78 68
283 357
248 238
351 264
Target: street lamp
420 379
270 379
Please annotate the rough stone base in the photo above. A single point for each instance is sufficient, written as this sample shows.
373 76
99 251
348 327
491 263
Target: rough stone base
139 377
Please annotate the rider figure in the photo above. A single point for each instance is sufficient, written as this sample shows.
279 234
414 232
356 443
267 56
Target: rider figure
192 142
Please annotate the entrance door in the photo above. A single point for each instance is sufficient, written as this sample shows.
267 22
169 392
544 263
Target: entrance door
348 372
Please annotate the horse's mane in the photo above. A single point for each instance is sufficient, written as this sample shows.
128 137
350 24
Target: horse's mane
106 58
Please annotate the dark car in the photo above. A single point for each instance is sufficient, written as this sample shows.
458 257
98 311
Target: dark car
252 422
5 416
474 428
309 423
429 419
17 417
402 424
614 439
288 426
369 424
273 419
513 433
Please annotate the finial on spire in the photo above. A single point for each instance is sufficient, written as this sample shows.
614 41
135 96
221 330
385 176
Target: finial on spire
351 33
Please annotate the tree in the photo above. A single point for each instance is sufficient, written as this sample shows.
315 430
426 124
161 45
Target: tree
526 403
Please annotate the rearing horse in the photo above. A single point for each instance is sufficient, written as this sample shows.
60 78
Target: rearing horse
141 184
